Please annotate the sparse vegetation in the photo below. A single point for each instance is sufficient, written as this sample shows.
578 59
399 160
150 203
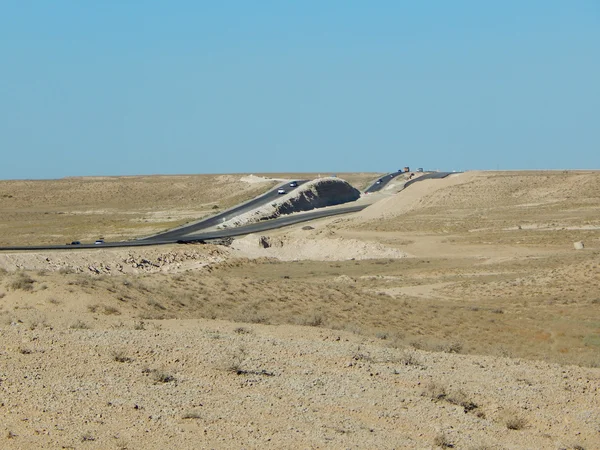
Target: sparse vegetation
111 311
315 320
409 358
79 325
454 347
382 335
22 281
515 423
435 391
442 440
160 376
192 415
512 419
88 437
460 398
485 305
152 302
121 356
242 330
237 359
438 392
38 322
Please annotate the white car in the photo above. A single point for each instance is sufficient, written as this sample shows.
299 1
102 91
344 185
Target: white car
99 242
294 184
281 191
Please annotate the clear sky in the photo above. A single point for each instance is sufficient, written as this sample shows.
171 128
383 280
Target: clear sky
127 87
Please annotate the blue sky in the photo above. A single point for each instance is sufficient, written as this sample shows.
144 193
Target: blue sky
127 87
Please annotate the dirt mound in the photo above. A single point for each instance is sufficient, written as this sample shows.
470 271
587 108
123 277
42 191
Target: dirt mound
413 197
483 201
314 194
291 248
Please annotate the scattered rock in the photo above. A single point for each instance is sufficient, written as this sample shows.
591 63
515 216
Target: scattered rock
578 245
226 241
268 242
345 279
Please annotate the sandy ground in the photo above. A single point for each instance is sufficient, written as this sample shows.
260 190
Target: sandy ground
453 314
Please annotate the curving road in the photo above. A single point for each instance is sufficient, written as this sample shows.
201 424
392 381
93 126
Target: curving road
215 220
382 182
208 235
194 233
377 186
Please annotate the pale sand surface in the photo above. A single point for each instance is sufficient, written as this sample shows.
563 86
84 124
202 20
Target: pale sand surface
455 312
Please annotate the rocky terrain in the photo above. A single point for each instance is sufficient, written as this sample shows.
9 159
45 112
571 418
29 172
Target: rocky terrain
454 314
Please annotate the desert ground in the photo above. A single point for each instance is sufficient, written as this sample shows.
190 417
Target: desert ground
456 313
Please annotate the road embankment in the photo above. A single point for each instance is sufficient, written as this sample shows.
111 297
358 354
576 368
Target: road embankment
314 194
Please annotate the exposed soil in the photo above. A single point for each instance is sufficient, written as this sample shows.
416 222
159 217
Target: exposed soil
454 314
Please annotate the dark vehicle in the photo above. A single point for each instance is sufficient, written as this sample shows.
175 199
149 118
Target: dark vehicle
379 181
293 184
75 243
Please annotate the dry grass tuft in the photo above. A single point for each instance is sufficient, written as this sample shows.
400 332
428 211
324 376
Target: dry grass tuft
191 415
513 419
315 320
160 376
236 361
442 440
410 359
438 392
88 437
111 311
22 282
516 423
79 325
435 391
242 330
121 356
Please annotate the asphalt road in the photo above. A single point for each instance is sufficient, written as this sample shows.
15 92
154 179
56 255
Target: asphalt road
389 177
194 233
215 220
377 186
428 176
208 235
